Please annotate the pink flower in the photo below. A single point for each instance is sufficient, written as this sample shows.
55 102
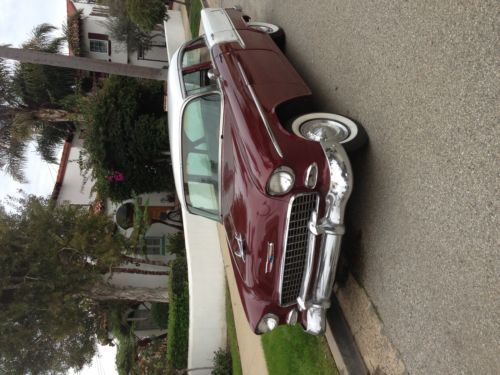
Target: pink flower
119 177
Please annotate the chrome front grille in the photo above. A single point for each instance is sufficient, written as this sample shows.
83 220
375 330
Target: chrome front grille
292 268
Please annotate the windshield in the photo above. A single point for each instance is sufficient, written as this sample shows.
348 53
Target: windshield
200 154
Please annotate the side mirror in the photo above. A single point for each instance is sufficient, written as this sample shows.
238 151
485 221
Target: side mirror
212 75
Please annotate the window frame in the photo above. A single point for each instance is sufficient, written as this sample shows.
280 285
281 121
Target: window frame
100 42
162 247
199 42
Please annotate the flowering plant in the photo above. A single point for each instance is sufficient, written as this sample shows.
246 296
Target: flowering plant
115 176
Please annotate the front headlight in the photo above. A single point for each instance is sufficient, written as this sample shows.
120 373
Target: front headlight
281 181
267 323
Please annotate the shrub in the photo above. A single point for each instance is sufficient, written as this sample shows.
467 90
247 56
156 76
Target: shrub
126 136
159 311
175 244
146 13
178 315
222 363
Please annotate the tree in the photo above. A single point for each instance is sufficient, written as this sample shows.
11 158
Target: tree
30 95
36 89
122 29
146 13
42 86
51 261
126 136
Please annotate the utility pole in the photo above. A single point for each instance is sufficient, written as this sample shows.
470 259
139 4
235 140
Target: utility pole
82 63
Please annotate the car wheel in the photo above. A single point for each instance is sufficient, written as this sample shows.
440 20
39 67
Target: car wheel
328 126
275 32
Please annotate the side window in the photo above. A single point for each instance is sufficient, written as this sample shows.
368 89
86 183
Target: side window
197 82
195 53
200 150
195 66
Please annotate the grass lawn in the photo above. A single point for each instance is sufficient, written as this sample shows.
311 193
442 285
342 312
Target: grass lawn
289 350
231 336
178 315
194 10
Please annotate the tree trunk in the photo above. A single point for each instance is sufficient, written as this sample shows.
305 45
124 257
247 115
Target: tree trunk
108 292
54 115
82 63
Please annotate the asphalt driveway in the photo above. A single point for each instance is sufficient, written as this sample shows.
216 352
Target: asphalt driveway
422 77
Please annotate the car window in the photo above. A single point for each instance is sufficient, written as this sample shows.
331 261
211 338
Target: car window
195 53
197 82
195 66
200 154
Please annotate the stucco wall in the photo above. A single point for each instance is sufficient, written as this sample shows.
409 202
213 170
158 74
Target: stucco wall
207 315
73 189
119 54
174 32
139 280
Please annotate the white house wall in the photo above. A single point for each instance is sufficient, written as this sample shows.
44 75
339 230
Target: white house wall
95 24
73 189
154 58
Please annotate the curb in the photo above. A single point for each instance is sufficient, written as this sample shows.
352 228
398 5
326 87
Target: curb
341 342
366 331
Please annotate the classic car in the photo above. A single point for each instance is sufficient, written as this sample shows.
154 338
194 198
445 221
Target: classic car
249 152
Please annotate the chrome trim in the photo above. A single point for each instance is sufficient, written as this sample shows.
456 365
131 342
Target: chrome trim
331 227
282 168
292 317
263 326
311 172
306 278
269 257
241 246
285 243
260 110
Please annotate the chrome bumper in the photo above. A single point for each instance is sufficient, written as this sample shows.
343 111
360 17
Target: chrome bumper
330 228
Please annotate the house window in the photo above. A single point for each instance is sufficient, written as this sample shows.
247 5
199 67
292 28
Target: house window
155 245
100 46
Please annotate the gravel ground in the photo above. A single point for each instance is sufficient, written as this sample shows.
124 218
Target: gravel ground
422 77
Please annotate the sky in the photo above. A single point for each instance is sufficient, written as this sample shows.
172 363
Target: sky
17 19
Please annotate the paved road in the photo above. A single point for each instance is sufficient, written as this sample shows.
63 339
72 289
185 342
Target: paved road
423 79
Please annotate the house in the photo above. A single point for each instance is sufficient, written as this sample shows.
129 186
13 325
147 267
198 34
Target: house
90 37
148 271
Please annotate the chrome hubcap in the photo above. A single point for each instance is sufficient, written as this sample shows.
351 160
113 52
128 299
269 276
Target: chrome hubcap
325 130
263 28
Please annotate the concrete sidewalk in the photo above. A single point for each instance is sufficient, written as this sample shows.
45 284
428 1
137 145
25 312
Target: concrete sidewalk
252 355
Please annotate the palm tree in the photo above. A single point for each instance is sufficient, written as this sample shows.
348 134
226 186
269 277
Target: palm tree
29 95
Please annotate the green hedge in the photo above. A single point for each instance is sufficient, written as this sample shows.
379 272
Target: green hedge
178 315
159 312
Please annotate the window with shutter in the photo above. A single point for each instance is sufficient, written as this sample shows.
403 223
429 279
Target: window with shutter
155 245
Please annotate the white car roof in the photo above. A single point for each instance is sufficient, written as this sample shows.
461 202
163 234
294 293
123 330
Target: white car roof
175 103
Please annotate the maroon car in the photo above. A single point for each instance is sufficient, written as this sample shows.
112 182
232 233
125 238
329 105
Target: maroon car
249 152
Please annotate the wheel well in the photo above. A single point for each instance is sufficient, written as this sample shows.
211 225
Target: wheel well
292 108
